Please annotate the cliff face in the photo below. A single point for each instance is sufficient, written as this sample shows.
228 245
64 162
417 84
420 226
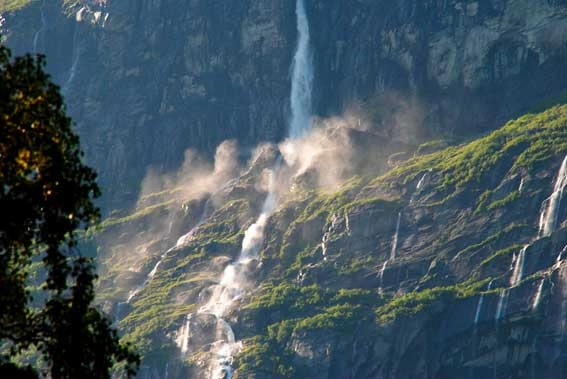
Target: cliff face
450 264
145 80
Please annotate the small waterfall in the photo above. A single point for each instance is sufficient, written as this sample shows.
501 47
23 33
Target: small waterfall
480 303
327 236
421 181
382 270
502 304
183 240
419 186
537 298
549 214
186 238
186 333
76 53
347 223
395 239
302 77
518 272
40 31
521 186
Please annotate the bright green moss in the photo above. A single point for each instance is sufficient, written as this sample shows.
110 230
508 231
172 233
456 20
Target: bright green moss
521 143
12 5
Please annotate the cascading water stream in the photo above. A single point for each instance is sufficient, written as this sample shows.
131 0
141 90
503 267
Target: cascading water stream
395 239
302 77
549 215
180 242
481 303
235 279
327 236
537 298
518 272
40 31
76 53
502 304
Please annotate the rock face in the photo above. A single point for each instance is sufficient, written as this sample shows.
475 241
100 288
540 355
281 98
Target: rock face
438 268
145 80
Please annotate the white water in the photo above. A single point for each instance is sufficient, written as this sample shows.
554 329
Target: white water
549 215
395 239
235 281
480 303
327 235
76 54
547 224
186 333
421 182
393 250
382 270
302 77
537 298
347 223
518 272
502 304
37 34
233 284
521 186
419 186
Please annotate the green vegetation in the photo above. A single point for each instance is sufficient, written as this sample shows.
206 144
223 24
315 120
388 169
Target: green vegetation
521 143
12 5
416 302
314 310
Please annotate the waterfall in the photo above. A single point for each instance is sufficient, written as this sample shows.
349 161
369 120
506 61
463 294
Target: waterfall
76 54
327 236
518 272
302 77
537 298
395 240
382 270
502 304
549 214
393 250
480 303
37 34
186 332
547 224
419 186
186 238
235 278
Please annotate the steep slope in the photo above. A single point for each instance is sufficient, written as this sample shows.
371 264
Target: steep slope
441 267
145 80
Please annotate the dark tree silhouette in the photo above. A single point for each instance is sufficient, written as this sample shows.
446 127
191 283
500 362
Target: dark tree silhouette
46 199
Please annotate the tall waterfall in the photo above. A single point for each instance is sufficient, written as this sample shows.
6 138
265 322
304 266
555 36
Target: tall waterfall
236 279
302 77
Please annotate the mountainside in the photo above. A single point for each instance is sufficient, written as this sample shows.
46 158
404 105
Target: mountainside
145 80
450 264
322 188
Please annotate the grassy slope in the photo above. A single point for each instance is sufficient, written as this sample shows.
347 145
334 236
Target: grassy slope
524 144
12 5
